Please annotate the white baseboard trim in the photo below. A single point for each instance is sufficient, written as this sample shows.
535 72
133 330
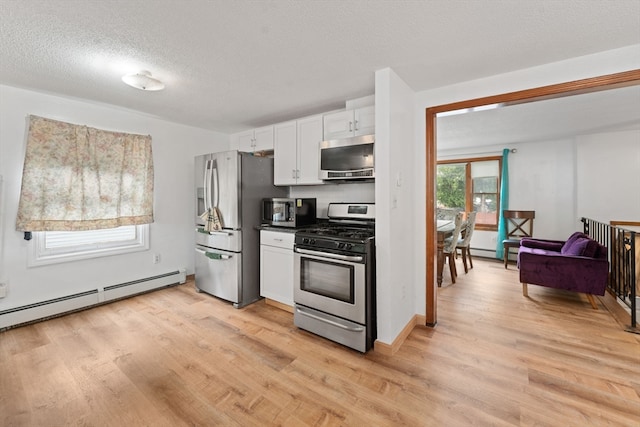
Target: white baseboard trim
55 307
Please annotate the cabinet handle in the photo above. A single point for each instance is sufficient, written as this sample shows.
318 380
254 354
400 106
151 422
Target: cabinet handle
293 173
350 126
297 173
356 125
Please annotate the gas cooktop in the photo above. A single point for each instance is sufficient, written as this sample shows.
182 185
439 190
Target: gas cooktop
350 228
339 231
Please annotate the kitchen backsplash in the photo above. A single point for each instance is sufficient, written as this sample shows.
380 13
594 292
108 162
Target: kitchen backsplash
327 193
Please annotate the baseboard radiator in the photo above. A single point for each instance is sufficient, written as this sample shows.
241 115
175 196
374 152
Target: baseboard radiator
59 306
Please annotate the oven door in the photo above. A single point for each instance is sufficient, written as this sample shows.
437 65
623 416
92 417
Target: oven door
331 283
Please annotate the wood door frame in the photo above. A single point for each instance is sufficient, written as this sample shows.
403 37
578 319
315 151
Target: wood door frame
576 87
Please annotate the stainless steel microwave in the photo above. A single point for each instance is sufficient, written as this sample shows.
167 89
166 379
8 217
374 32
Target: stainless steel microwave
347 159
284 212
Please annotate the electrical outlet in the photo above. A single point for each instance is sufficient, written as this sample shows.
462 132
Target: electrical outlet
156 258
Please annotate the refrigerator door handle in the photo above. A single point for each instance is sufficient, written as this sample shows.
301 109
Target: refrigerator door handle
207 186
216 189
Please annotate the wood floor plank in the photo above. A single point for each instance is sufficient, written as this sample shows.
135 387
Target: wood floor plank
176 357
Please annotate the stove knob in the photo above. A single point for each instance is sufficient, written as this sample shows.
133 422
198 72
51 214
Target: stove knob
340 245
312 241
348 246
305 240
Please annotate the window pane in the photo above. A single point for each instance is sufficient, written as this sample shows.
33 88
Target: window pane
486 206
485 184
60 239
483 196
485 177
50 247
485 168
451 186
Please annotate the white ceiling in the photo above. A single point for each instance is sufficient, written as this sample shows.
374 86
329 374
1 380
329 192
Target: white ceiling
547 120
234 64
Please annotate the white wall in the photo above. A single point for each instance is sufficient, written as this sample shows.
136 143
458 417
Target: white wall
395 261
328 193
609 176
595 176
171 235
541 178
603 63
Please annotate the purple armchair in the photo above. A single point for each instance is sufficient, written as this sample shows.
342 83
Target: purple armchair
580 264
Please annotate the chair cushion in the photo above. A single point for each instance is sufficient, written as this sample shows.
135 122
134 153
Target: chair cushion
570 241
546 245
582 246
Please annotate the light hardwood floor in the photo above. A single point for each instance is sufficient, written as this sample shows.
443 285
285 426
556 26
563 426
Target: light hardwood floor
175 358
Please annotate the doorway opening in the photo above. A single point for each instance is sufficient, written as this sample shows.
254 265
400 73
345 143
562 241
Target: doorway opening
594 84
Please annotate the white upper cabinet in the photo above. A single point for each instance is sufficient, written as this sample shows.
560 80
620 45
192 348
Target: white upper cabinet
296 151
309 138
260 139
263 139
285 159
365 120
344 124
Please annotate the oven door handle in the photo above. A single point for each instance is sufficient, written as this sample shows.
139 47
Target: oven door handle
329 255
330 322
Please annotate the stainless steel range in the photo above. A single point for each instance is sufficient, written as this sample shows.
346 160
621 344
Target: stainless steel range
334 270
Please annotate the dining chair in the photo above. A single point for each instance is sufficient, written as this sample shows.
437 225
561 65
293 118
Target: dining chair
519 224
464 243
450 243
446 213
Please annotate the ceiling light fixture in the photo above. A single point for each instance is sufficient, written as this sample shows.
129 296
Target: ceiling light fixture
142 80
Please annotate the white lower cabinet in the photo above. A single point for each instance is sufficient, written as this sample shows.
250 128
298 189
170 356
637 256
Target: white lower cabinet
276 266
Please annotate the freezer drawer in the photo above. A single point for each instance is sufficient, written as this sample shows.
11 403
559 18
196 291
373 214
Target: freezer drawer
219 273
226 240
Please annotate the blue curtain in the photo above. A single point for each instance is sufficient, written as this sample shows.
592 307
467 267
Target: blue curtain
504 203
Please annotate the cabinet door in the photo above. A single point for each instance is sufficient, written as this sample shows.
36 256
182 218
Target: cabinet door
309 138
276 274
338 125
245 141
284 154
263 138
365 121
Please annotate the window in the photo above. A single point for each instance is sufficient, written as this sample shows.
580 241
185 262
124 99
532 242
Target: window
51 247
471 185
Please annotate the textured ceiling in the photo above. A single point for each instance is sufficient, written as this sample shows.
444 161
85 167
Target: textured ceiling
234 64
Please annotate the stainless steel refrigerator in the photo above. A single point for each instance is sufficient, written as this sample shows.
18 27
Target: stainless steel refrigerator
227 261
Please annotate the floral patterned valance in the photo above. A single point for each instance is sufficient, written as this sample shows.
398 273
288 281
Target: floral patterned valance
80 178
